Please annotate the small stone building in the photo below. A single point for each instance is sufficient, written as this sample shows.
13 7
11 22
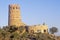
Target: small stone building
38 29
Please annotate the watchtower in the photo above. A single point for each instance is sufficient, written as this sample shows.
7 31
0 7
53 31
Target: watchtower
14 15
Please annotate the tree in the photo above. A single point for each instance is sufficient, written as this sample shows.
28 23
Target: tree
53 30
12 29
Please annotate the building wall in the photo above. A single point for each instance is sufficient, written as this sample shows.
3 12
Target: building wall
38 28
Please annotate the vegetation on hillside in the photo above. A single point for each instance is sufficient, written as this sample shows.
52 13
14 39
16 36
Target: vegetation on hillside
14 33
53 30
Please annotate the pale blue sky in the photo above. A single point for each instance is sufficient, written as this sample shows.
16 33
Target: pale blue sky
33 12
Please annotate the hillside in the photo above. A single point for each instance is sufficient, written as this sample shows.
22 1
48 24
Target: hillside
10 33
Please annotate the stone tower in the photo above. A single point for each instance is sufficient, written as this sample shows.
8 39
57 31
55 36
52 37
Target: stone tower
14 17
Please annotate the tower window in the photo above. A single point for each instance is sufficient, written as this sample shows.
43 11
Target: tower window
17 7
13 8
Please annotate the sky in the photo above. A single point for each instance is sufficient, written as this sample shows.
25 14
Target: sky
33 12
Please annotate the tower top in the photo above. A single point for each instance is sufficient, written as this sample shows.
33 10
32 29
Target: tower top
14 8
14 5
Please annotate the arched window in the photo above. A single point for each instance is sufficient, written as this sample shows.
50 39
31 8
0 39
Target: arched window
17 7
44 30
13 8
